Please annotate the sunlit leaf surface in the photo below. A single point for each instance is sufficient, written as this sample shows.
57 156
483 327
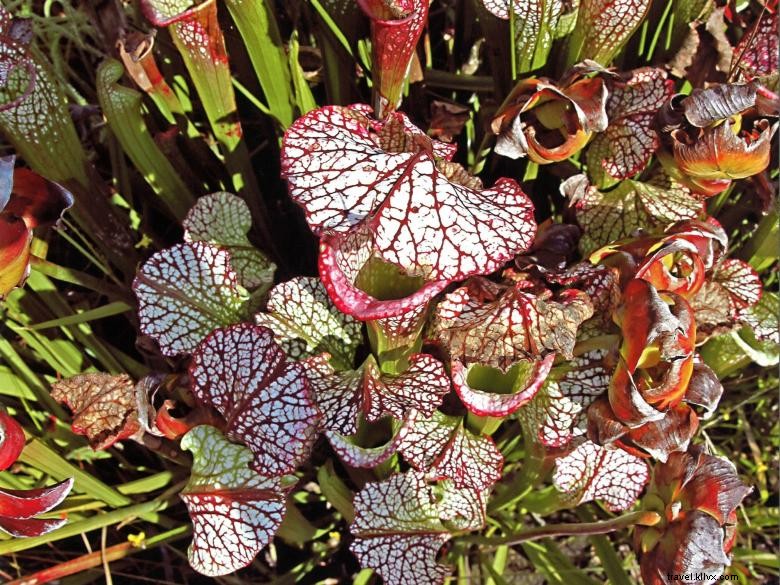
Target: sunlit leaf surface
402 522
235 512
184 293
104 406
265 398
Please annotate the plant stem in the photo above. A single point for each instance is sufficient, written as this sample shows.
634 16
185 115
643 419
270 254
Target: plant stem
106 555
762 244
566 529
525 478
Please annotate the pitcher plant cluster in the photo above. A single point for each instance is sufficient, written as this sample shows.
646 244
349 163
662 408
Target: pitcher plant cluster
447 313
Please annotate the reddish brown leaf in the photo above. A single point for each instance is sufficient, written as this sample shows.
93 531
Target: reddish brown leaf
496 326
103 406
548 123
756 53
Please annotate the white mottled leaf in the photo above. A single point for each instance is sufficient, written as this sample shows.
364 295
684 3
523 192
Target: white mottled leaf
235 512
607 216
442 448
305 321
556 413
624 148
224 219
340 171
591 472
184 293
498 326
402 522
265 399
342 396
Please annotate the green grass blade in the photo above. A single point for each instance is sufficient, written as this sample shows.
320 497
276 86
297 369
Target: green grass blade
256 23
251 97
205 58
332 26
37 454
121 515
81 333
12 385
122 108
613 566
147 484
109 310
31 380
336 491
554 565
80 566
72 276
304 99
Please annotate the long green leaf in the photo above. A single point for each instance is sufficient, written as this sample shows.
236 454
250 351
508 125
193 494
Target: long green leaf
72 276
336 491
30 378
256 23
122 108
201 44
613 566
304 99
121 515
554 565
81 333
34 118
108 310
40 456
12 385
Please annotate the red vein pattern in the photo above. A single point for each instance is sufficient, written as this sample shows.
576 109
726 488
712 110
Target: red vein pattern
305 321
610 216
265 399
358 456
234 511
607 24
224 219
400 526
342 396
487 324
185 292
740 280
557 413
488 403
103 406
443 449
423 222
628 142
762 318
756 53
591 472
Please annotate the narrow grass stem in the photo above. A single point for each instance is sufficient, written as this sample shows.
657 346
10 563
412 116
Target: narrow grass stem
566 529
